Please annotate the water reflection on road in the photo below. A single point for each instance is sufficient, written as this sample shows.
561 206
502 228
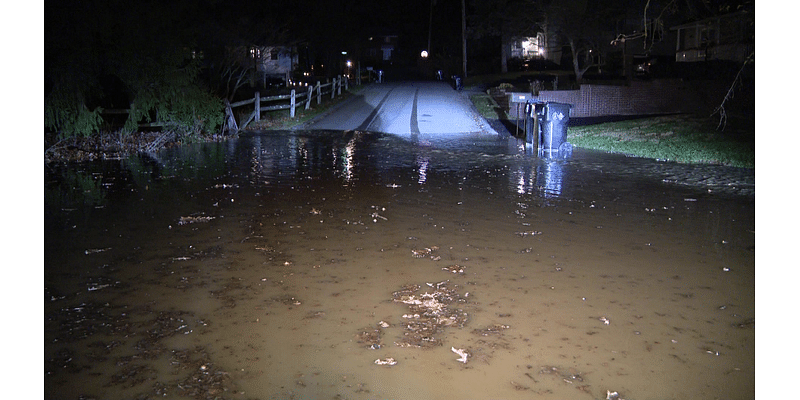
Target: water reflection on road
285 265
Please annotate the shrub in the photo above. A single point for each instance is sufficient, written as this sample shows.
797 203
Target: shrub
67 115
166 92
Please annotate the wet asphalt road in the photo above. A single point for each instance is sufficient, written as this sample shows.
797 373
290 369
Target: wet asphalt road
407 109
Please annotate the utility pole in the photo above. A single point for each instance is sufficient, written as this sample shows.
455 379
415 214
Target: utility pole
464 33
430 28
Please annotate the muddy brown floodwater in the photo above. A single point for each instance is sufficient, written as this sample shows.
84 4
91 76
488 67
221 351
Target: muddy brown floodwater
347 265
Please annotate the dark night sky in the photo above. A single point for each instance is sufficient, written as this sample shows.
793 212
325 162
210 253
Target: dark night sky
328 24
343 22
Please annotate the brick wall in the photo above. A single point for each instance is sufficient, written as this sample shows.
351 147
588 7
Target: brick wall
641 98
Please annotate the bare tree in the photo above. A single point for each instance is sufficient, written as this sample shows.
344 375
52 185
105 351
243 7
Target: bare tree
737 82
235 42
506 19
233 67
688 10
583 25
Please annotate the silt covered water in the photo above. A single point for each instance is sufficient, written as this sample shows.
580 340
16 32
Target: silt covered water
361 266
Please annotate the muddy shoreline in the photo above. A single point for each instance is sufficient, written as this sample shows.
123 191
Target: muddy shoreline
109 146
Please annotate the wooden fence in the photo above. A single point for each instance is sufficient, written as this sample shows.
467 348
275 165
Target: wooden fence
295 100
290 102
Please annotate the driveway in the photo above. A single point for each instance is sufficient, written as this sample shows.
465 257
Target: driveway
409 109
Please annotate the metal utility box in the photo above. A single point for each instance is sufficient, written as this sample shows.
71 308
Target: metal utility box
520 97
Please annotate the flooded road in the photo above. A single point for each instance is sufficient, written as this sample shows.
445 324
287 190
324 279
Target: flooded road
349 265
415 110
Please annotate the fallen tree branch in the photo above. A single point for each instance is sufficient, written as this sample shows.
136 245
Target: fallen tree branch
723 115
159 142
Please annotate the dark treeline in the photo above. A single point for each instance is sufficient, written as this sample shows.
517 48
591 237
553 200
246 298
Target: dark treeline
172 61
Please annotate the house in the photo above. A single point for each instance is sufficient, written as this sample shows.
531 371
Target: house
273 64
527 48
727 37
379 49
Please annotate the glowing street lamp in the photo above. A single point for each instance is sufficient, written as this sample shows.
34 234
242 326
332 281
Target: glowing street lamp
424 54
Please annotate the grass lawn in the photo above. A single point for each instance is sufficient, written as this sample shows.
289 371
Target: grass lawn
487 107
681 138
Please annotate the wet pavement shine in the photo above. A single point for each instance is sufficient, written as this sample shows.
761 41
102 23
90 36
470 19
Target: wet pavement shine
355 265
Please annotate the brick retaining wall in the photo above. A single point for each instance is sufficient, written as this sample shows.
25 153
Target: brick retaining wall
641 98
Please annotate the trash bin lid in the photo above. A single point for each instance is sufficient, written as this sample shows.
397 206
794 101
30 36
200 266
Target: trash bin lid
557 111
558 105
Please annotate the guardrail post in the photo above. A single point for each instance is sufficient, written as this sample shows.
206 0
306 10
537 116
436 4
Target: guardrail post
308 97
291 105
339 86
333 88
257 102
319 93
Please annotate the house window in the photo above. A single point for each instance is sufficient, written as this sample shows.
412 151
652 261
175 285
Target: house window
387 53
708 36
528 47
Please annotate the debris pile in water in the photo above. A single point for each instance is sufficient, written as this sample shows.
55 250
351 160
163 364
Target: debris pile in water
426 252
191 220
109 146
462 353
133 341
371 337
429 313
388 361
456 269
495 329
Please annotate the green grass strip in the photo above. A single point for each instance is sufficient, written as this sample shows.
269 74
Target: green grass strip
680 138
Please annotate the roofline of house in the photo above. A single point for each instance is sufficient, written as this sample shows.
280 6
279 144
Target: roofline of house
706 20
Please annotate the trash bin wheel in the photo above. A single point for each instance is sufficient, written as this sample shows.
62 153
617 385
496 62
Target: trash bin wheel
565 150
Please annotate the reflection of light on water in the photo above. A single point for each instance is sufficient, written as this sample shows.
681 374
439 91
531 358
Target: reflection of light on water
255 158
422 164
347 160
522 186
523 179
281 159
302 151
293 149
546 177
260 165
550 178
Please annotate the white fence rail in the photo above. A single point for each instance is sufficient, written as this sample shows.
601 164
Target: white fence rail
290 102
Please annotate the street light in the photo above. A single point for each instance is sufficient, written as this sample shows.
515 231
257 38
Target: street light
424 54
